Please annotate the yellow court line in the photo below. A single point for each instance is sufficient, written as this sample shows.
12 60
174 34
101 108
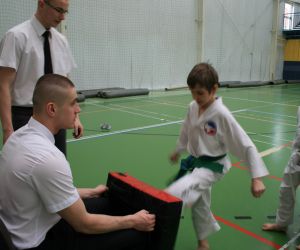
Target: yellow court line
274 149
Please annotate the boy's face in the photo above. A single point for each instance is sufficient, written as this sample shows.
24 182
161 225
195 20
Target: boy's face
202 96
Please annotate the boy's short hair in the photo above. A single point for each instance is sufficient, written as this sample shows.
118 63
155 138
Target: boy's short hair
204 75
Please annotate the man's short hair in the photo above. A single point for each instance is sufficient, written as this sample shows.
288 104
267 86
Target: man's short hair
50 88
204 75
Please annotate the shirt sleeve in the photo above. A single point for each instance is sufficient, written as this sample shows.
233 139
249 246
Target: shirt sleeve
54 183
182 141
11 50
240 145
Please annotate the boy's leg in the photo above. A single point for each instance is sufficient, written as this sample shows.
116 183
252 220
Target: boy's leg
190 187
194 190
285 211
203 219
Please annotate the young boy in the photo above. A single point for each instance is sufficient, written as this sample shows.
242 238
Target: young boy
208 133
287 193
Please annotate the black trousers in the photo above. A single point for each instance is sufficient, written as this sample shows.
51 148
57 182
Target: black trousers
63 237
21 116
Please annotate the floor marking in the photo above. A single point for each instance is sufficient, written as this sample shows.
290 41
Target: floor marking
145 111
286 245
267 136
125 111
269 113
238 165
247 232
131 130
242 217
264 120
123 131
275 149
271 103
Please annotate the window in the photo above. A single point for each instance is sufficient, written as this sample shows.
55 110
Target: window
288 16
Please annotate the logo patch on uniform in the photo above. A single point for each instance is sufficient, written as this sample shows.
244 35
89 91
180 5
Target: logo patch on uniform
210 128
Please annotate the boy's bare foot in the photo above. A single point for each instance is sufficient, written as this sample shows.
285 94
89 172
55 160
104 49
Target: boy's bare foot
203 245
273 227
298 247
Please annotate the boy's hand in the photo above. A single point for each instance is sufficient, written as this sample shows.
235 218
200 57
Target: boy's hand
174 157
257 187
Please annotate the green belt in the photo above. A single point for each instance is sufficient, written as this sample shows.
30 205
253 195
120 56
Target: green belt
191 162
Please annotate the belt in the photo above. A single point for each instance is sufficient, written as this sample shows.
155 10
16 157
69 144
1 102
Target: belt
191 162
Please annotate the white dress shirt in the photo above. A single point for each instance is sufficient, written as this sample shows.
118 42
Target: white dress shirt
22 49
35 182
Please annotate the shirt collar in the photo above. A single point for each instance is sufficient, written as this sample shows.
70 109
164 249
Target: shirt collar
41 128
37 26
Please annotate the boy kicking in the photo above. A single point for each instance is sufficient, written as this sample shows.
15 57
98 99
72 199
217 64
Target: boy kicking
208 133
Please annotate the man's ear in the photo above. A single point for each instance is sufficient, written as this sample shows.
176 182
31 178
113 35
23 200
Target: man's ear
51 109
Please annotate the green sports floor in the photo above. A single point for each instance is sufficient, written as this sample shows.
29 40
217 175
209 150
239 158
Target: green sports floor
144 132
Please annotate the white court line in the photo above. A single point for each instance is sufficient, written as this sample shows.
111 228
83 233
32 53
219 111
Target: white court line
273 150
286 245
271 103
145 111
269 113
268 136
265 120
124 131
132 129
130 112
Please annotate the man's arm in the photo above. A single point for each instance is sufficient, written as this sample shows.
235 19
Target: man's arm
7 76
92 192
84 222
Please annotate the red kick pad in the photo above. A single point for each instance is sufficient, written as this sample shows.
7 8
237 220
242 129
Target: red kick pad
130 195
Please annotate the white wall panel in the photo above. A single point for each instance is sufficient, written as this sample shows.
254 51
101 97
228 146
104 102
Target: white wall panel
237 38
153 43
132 43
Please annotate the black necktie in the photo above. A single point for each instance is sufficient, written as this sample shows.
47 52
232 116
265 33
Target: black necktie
47 54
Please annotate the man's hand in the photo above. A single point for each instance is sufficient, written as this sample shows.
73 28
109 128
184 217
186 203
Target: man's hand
257 187
92 192
144 221
99 190
78 128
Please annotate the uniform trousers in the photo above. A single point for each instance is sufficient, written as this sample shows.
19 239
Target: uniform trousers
63 237
287 195
195 191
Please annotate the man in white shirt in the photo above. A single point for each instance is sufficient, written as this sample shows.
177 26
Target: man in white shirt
22 64
39 204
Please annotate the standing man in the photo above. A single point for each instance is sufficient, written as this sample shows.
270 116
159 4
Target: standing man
28 51
39 203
